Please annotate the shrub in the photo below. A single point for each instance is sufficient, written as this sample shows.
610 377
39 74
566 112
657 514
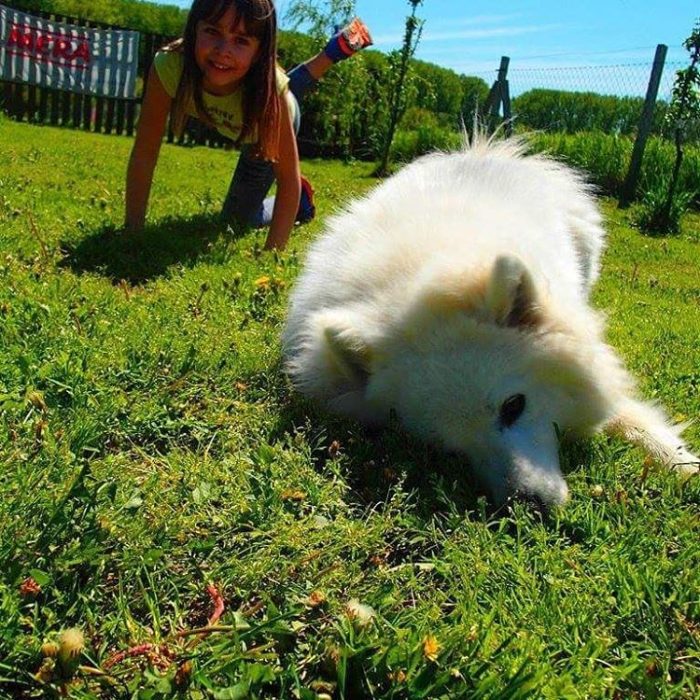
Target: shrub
409 144
654 215
658 162
416 117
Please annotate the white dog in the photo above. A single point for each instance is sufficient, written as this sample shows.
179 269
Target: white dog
456 295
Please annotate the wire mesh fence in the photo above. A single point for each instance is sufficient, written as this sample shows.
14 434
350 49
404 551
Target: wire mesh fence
621 80
613 98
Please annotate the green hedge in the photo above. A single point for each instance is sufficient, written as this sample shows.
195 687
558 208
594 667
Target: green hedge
131 14
572 112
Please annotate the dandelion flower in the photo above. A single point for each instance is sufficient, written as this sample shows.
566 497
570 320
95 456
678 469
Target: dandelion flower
361 614
431 648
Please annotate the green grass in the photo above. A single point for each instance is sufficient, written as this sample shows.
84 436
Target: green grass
151 446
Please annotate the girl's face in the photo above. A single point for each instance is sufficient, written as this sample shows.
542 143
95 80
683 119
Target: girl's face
224 52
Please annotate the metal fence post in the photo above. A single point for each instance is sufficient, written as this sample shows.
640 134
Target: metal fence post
630 186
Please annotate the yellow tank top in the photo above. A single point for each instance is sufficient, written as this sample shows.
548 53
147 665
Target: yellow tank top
226 111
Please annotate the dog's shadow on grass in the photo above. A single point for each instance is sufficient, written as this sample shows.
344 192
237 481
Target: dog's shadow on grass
139 257
377 460
374 461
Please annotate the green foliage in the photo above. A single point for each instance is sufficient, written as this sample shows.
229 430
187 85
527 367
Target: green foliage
319 19
571 112
140 15
453 99
683 112
408 145
603 157
151 446
332 123
419 133
474 94
400 83
659 159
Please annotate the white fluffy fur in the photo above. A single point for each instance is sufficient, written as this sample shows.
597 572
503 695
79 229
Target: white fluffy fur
460 282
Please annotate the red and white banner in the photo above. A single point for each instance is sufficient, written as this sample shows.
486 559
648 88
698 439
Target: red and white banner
50 54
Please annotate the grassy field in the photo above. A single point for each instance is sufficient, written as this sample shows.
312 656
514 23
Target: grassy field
153 459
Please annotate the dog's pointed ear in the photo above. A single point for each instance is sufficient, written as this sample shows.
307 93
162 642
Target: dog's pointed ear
347 352
511 296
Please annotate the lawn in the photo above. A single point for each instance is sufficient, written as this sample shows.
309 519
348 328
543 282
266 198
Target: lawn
155 465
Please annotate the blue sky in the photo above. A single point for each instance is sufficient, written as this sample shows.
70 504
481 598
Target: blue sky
606 45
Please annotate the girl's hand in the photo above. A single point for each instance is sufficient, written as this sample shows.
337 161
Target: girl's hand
288 183
155 108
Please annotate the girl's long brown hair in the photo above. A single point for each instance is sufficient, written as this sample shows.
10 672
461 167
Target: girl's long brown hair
261 103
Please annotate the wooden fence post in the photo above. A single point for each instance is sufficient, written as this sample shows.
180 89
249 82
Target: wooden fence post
629 188
499 95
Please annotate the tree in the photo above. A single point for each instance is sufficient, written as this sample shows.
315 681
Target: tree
319 18
400 64
683 111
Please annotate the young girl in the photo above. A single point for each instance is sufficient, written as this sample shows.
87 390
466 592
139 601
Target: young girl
224 72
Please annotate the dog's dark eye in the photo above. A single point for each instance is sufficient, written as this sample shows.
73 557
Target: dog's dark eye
512 409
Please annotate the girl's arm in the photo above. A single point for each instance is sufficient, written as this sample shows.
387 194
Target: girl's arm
288 183
144 154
